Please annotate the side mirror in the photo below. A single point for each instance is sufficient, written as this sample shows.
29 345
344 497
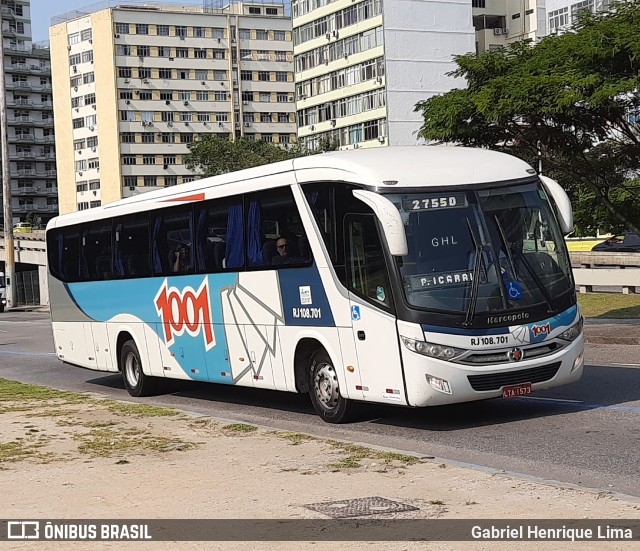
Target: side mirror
562 203
390 220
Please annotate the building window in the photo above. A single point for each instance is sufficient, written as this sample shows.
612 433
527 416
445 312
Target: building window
170 181
73 60
74 38
126 94
83 205
166 95
128 159
182 52
219 54
185 117
81 165
244 34
148 137
203 117
94 204
222 117
271 11
186 137
220 96
150 181
200 53
201 74
145 95
162 30
279 35
164 51
144 72
123 49
169 160
281 76
81 186
77 145
168 137
255 10
127 115
94 184
85 34
92 141
148 159
88 78
199 32
122 28
142 28
144 51
202 96
94 163
78 122
263 76
262 35
219 75
246 75
130 181
283 117
124 72
265 117
127 137
478 4
181 31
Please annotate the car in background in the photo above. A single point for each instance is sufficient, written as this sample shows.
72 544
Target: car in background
627 242
22 227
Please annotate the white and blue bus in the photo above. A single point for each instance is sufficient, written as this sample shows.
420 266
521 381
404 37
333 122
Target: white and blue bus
413 276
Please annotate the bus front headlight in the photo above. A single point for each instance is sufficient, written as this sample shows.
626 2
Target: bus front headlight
439 351
573 332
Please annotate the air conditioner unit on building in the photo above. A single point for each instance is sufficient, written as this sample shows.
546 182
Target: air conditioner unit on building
312 127
203 83
497 31
328 36
126 81
245 103
505 31
116 36
167 102
69 47
220 124
186 103
91 129
127 102
145 81
381 139
169 123
332 122
247 125
93 149
335 34
132 188
75 69
182 37
75 88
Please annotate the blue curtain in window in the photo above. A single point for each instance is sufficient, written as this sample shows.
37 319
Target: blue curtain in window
201 239
117 250
84 267
60 240
235 237
192 252
155 253
254 235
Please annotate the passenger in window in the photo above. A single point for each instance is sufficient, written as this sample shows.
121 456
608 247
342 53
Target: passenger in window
287 254
181 259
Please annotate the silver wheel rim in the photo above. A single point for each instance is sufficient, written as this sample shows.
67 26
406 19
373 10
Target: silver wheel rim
132 370
325 386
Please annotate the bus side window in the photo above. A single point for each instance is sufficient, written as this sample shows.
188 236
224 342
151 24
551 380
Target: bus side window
219 235
366 269
171 241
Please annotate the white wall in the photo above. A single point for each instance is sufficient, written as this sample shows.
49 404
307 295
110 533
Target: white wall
421 37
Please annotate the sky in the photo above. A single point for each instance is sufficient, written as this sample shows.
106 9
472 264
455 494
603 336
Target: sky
43 10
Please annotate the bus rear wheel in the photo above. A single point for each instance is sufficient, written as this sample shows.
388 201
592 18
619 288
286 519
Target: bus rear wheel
324 390
135 381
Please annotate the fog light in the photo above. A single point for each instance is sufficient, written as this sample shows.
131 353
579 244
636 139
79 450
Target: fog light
439 384
578 362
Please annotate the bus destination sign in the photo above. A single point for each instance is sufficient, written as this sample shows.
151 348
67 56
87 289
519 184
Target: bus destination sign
436 202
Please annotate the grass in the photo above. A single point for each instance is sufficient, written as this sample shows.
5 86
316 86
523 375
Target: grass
13 391
239 427
356 453
609 305
107 442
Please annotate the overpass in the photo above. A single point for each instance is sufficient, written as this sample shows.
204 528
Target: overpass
30 248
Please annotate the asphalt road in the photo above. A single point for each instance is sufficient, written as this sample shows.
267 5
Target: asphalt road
587 433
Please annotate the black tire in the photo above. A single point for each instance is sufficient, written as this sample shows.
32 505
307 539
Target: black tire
135 381
324 390
1 308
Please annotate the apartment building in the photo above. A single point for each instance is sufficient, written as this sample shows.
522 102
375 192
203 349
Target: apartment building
362 65
134 85
500 22
30 126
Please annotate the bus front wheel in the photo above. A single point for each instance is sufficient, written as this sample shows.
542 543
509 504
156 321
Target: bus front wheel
135 381
324 390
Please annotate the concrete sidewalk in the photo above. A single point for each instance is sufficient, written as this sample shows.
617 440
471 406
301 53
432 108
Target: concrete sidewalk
612 331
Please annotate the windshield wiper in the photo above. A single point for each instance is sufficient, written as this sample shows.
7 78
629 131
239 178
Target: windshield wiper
475 282
536 279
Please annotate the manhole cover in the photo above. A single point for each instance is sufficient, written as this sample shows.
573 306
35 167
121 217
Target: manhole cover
360 507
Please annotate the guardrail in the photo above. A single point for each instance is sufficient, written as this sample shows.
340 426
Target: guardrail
606 270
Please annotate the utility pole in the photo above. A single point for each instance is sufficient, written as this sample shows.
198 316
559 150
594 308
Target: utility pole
9 263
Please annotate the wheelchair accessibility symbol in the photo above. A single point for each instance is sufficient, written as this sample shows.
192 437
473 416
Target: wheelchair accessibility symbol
514 290
355 313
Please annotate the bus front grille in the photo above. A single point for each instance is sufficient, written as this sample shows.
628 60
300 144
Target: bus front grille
495 381
502 356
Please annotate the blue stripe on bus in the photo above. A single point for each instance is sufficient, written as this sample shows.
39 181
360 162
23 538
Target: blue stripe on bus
304 299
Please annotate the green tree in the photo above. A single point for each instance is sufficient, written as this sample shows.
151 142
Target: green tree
570 102
34 219
213 155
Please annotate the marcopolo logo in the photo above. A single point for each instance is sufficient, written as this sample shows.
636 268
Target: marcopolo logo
185 310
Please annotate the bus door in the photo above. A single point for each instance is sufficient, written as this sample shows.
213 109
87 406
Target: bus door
374 326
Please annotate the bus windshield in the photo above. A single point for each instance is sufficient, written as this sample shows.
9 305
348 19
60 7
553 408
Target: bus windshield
482 251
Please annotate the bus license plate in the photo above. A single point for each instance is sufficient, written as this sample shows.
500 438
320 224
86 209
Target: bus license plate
516 390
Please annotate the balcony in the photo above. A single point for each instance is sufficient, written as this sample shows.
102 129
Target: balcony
23 155
23 173
23 138
17 48
51 172
21 121
14 102
8 13
25 190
